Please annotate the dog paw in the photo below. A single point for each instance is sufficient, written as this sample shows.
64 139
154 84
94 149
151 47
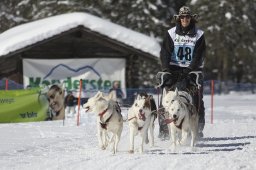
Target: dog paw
182 143
131 151
173 145
103 147
193 149
178 143
173 148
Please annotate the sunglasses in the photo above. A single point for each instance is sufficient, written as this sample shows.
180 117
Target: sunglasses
185 16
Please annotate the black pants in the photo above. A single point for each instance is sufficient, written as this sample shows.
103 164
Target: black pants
163 128
199 103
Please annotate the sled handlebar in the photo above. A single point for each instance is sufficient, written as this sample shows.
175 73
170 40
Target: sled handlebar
192 72
197 77
162 77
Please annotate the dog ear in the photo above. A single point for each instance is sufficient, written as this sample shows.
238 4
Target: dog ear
101 94
176 92
147 102
98 94
112 95
138 97
164 92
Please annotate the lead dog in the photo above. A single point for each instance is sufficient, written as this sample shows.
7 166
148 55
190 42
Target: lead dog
109 119
141 117
181 116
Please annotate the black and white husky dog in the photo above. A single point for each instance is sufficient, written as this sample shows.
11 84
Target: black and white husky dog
141 117
181 116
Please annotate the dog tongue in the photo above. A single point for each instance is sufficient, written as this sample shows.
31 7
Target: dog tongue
142 116
167 121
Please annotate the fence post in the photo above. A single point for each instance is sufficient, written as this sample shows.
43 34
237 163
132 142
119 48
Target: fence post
212 93
79 102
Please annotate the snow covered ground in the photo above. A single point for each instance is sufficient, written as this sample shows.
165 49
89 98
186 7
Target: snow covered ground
229 143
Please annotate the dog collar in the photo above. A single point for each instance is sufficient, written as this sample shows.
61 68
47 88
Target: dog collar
180 125
104 125
102 113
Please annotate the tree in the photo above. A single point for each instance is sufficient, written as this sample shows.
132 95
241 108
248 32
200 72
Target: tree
230 27
230 34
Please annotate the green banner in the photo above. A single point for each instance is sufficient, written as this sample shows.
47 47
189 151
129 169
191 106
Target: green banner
23 106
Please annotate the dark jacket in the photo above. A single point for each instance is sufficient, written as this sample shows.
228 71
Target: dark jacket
119 93
70 100
168 49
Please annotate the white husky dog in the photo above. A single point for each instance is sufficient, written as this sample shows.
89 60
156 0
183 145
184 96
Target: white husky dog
181 116
109 119
141 117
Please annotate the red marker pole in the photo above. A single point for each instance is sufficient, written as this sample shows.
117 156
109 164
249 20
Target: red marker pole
6 84
79 102
158 98
212 93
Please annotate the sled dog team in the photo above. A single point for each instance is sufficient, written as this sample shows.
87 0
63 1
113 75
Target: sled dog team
181 117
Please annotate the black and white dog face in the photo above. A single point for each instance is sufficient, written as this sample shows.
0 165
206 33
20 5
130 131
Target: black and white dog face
169 97
141 106
176 110
173 105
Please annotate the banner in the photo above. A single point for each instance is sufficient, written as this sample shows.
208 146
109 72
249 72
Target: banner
96 73
23 106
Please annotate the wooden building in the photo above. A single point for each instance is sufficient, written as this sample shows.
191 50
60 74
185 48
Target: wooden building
79 35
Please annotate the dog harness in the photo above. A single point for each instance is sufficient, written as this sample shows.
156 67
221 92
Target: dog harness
102 113
167 121
180 125
104 124
185 97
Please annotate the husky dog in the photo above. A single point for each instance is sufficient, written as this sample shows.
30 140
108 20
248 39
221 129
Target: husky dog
141 117
109 119
182 116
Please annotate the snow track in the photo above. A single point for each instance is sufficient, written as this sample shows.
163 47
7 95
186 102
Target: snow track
230 143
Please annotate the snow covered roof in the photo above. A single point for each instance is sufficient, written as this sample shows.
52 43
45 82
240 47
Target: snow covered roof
27 34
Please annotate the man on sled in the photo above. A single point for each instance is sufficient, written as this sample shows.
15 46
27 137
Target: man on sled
182 57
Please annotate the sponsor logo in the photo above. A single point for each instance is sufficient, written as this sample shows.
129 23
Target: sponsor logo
178 39
87 84
7 100
28 115
72 81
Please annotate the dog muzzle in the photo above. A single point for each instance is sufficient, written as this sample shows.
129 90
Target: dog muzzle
142 115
